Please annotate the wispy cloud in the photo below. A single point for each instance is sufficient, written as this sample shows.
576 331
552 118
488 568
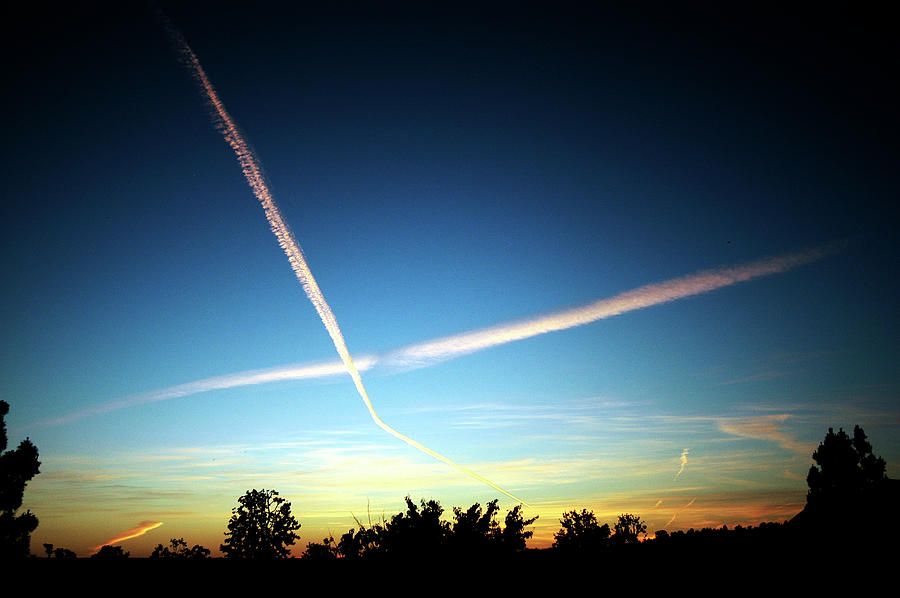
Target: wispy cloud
764 427
684 461
760 377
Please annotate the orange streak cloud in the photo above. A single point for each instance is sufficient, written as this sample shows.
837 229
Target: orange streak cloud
139 530
252 170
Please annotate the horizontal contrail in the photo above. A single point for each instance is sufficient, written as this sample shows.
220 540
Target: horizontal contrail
435 351
252 170
245 378
139 530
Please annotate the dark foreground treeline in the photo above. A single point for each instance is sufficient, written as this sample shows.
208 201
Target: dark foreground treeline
851 516
827 548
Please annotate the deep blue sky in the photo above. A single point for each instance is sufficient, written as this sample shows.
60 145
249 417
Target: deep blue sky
447 170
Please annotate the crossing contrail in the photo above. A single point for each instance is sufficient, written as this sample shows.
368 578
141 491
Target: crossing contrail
435 351
252 170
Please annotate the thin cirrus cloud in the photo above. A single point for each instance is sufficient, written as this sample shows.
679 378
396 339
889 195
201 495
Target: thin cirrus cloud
763 427
436 351
252 170
139 530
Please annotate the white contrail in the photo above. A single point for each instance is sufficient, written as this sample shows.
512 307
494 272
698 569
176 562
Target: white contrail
684 455
253 173
424 354
246 378
438 350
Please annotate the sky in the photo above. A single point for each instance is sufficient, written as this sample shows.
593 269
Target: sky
628 260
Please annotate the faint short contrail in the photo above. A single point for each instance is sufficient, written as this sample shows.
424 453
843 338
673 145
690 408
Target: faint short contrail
684 455
675 514
253 173
139 530
245 378
435 351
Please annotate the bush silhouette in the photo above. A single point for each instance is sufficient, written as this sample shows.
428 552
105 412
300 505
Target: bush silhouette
110 553
178 549
580 532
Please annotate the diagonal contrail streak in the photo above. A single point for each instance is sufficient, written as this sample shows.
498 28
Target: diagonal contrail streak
252 170
678 512
434 351
139 530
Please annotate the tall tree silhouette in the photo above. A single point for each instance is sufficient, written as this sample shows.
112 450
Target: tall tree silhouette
848 487
16 469
846 467
262 527
514 535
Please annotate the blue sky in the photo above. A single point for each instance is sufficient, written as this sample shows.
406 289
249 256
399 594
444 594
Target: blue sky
444 172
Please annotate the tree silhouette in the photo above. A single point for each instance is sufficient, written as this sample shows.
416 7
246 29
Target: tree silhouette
262 527
418 530
421 531
16 469
848 487
514 535
580 532
63 553
629 529
178 549
475 530
846 467
362 542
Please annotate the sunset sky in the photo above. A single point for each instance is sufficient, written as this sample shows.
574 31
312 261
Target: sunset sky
445 172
